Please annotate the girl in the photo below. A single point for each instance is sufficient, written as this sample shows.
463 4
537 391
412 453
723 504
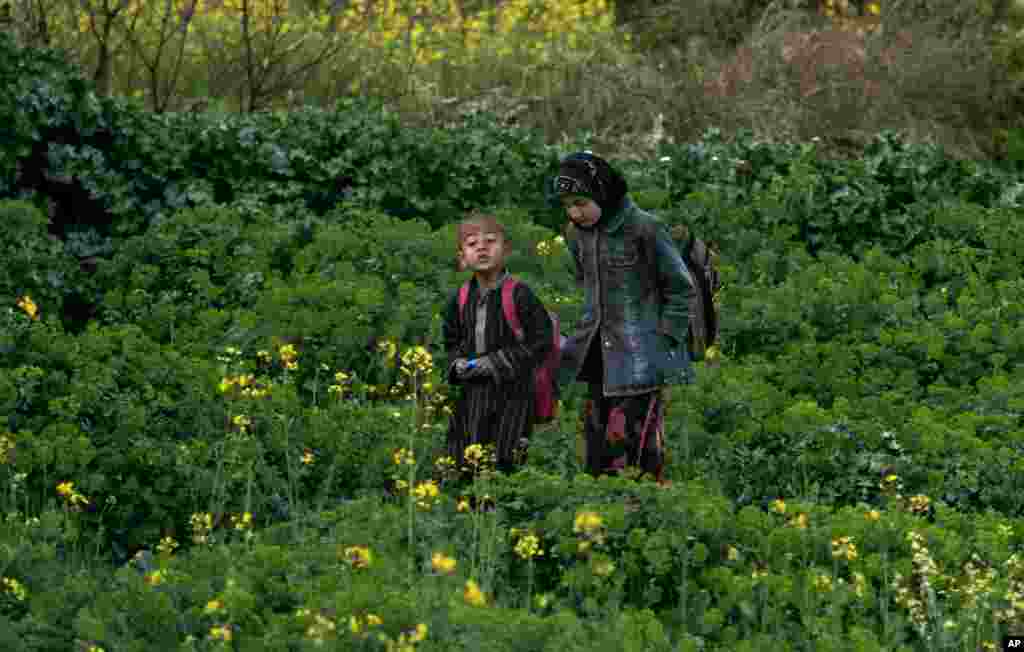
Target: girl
631 339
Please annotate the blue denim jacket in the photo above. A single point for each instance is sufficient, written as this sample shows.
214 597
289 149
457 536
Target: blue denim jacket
637 292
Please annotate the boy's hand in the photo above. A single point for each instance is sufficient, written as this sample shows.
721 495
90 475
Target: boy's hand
479 368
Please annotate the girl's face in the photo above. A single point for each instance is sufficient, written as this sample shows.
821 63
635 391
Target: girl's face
583 211
484 251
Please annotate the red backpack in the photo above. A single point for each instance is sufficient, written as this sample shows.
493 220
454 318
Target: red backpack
545 402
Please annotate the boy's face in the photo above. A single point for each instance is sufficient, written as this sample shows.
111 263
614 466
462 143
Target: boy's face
484 251
583 211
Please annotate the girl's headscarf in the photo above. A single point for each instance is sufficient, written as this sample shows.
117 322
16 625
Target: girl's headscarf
591 176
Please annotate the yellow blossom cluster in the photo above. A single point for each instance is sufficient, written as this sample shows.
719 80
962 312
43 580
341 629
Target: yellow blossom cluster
221 632
202 526
479 458
406 641
550 247
872 515
167 546
244 385
913 593
358 556
241 522
472 594
68 492
919 504
429 31
427 494
14 587
241 422
155 578
6 447
213 607
29 306
779 506
442 563
844 548
527 545
289 357
822 582
800 521
341 385
308 457
590 526
404 457
417 362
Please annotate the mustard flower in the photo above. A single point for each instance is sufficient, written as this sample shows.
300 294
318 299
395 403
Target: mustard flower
202 525
404 456
920 503
417 361
213 606
358 556
167 546
463 505
308 457
473 595
6 446
29 306
426 494
872 515
844 548
14 587
528 547
779 506
373 620
587 522
731 553
221 632
800 521
442 563
155 578
822 582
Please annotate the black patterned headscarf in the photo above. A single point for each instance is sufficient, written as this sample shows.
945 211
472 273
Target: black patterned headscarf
591 176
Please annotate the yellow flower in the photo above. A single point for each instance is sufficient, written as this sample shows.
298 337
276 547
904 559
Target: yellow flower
308 457
873 8
66 489
872 515
221 632
417 360
822 582
732 554
6 446
442 563
403 456
426 494
587 522
213 606
528 547
779 506
799 521
463 505
419 634
358 556
844 548
15 588
373 620
29 306
167 545
473 595
919 504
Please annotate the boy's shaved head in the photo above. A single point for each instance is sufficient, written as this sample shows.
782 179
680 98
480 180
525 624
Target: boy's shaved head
478 223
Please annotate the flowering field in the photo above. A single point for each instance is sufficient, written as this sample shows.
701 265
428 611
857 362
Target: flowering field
224 414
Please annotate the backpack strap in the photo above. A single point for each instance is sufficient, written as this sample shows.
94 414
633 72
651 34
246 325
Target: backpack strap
463 297
508 306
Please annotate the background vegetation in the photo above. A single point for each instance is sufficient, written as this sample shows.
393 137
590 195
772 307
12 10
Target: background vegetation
224 415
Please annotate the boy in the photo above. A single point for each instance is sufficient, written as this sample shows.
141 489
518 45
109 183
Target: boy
631 340
493 368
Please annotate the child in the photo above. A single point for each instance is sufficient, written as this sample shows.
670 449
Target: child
493 368
631 340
